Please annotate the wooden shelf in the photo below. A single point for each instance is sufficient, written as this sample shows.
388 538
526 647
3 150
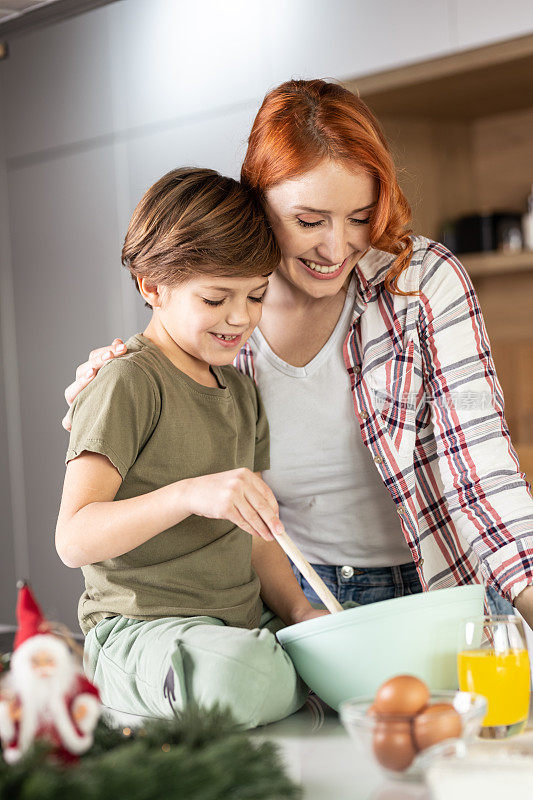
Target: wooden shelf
467 85
483 264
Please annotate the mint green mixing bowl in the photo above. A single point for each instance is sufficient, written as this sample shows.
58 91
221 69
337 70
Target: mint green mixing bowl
353 652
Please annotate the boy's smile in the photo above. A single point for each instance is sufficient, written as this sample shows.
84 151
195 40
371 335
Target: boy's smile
204 321
228 340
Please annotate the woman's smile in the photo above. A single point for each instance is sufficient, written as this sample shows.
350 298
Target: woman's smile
321 270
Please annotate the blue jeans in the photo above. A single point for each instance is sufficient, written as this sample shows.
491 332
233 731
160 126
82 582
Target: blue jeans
362 585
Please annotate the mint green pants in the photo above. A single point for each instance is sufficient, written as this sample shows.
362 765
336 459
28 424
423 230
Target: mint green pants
155 667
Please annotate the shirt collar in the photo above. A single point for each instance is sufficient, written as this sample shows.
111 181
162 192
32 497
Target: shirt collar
373 267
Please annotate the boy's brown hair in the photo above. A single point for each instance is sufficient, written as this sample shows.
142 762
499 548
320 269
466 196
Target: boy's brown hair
196 222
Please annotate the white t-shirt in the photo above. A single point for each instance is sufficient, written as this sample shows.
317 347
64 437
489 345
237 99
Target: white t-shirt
332 500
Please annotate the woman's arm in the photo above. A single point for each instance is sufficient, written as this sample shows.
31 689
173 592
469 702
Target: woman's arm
93 527
524 604
487 496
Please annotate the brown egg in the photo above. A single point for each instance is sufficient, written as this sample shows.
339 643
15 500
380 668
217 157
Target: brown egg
403 695
436 723
393 744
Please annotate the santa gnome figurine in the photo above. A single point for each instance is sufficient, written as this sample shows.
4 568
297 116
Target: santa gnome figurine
44 695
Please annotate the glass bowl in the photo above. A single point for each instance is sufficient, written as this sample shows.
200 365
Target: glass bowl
401 750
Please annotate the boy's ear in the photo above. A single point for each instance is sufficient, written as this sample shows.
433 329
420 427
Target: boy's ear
150 292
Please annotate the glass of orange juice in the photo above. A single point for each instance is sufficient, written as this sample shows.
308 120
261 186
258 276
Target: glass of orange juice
493 661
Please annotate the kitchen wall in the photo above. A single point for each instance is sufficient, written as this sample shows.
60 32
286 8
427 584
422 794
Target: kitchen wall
92 111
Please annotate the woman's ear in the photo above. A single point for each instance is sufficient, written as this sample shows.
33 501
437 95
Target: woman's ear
151 293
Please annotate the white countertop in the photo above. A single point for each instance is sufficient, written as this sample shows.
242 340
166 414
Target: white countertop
323 759
319 755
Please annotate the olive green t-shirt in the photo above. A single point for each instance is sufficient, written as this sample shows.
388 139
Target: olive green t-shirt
157 425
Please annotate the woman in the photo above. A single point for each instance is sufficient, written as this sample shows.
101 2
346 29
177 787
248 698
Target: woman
391 458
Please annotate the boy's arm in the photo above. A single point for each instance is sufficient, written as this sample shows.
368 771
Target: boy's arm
93 527
280 590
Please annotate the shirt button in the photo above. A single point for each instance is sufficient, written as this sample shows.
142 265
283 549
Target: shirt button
364 416
400 510
378 460
420 562
357 370
347 572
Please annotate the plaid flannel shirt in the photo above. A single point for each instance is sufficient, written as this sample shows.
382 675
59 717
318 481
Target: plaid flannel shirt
430 409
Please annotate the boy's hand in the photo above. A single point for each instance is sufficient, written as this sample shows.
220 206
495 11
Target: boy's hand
239 496
86 372
310 614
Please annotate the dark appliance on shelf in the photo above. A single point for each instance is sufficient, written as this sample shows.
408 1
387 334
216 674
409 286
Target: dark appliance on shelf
478 233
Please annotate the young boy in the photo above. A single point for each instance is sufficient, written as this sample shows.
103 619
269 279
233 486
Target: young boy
163 505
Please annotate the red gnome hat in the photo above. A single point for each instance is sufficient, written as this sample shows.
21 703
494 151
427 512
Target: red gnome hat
30 618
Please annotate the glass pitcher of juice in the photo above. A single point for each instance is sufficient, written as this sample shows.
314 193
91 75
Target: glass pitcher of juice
493 661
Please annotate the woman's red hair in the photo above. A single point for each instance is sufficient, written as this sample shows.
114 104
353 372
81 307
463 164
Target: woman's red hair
302 122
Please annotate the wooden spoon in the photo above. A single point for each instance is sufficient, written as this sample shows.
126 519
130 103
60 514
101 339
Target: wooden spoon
308 572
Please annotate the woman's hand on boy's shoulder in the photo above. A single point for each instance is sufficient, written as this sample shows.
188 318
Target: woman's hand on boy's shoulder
86 372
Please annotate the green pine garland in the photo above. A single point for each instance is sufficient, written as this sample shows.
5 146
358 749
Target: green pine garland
200 755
